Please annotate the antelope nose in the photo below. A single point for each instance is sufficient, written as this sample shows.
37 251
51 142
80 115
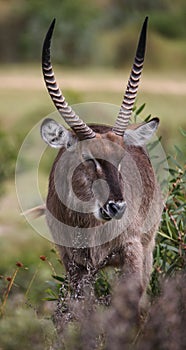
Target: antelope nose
116 209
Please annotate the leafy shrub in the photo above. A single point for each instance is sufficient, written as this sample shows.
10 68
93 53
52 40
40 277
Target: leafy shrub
164 24
8 154
24 330
170 251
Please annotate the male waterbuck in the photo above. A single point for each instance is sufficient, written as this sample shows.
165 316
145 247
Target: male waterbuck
104 204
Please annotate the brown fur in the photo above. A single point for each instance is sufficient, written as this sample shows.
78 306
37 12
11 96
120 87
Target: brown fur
132 248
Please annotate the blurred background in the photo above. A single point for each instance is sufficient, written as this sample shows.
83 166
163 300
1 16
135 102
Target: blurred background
92 51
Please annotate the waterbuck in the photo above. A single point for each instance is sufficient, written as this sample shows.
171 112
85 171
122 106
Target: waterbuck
104 204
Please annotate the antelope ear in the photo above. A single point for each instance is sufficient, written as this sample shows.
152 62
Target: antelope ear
54 134
141 135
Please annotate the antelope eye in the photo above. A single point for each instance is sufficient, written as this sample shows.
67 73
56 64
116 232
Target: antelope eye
90 160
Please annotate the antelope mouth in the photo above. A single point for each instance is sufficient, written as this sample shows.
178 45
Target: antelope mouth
112 210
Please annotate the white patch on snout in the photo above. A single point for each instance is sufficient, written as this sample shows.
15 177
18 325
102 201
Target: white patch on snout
96 211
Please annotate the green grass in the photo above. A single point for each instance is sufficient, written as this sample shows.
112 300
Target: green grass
22 106
24 99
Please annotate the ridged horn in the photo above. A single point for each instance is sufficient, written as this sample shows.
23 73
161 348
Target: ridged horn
72 119
132 86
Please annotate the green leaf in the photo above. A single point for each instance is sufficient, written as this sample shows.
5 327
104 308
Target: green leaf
183 132
173 160
167 218
140 109
170 247
173 172
49 299
162 234
59 278
179 152
147 118
51 293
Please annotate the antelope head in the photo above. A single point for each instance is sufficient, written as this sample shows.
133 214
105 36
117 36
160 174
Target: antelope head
99 150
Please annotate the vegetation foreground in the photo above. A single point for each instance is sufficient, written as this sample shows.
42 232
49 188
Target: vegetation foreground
29 303
34 293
